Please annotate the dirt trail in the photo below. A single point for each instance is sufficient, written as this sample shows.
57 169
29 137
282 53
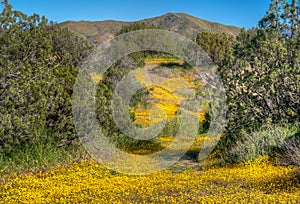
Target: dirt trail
188 162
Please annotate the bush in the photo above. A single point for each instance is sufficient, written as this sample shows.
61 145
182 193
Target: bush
291 151
260 73
41 157
38 71
266 141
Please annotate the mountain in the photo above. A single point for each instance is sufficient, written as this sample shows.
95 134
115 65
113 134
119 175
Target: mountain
189 26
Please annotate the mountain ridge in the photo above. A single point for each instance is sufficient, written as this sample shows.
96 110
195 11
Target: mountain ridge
181 23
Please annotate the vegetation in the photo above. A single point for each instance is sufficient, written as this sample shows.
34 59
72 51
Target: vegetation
189 26
86 182
217 46
264 142
40 157
42 161
137 26
38 69
260 71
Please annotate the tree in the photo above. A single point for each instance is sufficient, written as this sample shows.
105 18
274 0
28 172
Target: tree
137 26
273 18
217 46
104 110
139 57
37 69
262 81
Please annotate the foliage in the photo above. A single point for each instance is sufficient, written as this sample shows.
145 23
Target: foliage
137 26
261 73
40 157
37 69
264 142
217 46
104 96
138 57
87 182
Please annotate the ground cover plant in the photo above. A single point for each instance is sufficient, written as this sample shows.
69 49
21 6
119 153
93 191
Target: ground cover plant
256 161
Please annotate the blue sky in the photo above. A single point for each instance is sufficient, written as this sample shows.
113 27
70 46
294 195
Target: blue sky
242 13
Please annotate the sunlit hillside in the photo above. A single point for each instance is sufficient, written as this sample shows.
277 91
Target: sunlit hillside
168 88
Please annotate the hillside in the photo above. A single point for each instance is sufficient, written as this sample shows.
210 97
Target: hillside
183 24
98 31
190 26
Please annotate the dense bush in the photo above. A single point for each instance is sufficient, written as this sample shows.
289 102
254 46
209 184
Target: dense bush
260 72
37 69
139 57
263 81
137 26
217 46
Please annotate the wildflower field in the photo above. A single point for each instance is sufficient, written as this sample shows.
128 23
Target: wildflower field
168 88
89 182
159 60
185 182
167 132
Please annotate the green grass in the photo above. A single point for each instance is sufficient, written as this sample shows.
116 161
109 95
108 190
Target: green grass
266 141
41 157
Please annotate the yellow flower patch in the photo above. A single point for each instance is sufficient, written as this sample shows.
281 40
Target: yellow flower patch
146 117
88 182
96 78
168 94
158 61
175 83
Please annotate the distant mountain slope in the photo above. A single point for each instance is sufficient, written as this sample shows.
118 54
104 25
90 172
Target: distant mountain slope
181 23
190 26
98 31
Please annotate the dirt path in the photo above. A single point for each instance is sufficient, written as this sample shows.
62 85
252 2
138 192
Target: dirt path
187 162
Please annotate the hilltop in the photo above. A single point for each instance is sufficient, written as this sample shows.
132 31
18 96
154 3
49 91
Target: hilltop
181 23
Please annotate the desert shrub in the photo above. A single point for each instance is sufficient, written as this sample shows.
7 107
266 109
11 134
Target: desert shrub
138 56
290 151
137 26
38 70
260 73
217 46
41 157
264 142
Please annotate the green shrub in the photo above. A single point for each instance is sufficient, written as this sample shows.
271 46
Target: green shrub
260 143
260 72
38 69
290 151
